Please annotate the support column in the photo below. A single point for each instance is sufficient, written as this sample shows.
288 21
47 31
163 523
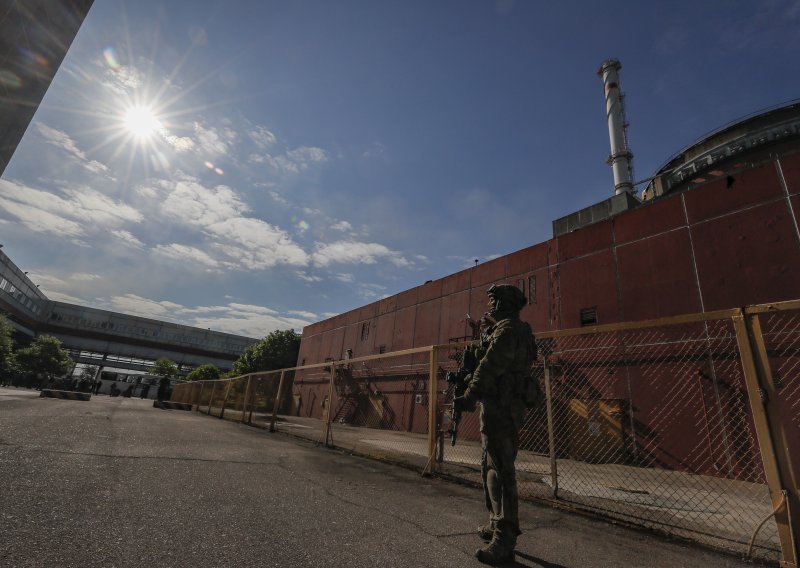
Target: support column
772 439
433 425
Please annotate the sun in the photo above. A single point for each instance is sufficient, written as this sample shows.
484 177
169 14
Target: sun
141 122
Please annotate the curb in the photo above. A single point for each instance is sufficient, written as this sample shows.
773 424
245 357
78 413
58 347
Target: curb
169 405
70 395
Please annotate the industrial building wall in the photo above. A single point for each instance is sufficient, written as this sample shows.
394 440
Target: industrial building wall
723 244
710 248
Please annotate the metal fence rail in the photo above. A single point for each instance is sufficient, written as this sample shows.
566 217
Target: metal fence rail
685 425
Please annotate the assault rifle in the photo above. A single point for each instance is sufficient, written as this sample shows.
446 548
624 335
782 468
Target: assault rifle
459 379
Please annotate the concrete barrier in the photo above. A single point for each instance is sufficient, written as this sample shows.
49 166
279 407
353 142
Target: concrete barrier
170 405
70 395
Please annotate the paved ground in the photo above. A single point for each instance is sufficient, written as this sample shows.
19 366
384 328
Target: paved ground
115 482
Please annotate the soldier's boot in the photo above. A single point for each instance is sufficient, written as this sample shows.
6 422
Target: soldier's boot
486 532
496 553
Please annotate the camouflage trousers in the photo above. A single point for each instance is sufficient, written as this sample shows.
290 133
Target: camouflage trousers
500 484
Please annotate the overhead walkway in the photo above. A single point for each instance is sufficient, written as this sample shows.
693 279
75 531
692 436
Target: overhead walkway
111 339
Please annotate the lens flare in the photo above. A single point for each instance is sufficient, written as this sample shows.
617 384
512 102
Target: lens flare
10 79
111 58
38 58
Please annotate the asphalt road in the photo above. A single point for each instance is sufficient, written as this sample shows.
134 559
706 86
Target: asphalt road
115 482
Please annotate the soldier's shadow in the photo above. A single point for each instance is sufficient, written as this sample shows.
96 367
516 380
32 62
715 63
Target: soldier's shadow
532 561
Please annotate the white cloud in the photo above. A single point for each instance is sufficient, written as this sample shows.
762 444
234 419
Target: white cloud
123 80
179 143
84 277
186 253
210 142
262 137
344 277
371 291
308 277
255 244
306 154
143 307
39 220
375 150
99 209
303 314
277 197
82 212
62 140
129 238
354 252
282 164
191 203
64 286
342 226
62 297
241 319
297 160
238 242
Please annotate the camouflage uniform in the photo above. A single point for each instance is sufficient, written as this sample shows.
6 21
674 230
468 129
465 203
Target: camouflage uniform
505 354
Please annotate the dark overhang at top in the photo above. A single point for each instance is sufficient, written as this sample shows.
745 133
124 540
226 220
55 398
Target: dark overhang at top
34 38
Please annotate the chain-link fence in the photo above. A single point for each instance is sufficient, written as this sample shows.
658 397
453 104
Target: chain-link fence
651 426
651 423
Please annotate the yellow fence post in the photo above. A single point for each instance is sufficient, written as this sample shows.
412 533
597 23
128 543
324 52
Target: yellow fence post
277 402
771 436
327 415
246 399
225 400
433 425
211 398
200 395
252 400
551 434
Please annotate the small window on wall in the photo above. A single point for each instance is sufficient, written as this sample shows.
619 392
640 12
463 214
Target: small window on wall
589 316
532 289
364 331
382 349
521 285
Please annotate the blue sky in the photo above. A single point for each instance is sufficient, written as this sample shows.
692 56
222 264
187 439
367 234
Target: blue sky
257 165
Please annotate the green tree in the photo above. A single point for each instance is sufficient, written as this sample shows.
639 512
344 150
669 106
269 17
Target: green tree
164 368
88 373
205 372
278 350
45 356
7 360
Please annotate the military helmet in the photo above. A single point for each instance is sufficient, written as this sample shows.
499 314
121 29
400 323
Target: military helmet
509 295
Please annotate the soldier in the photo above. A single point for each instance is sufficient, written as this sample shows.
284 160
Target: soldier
506 354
